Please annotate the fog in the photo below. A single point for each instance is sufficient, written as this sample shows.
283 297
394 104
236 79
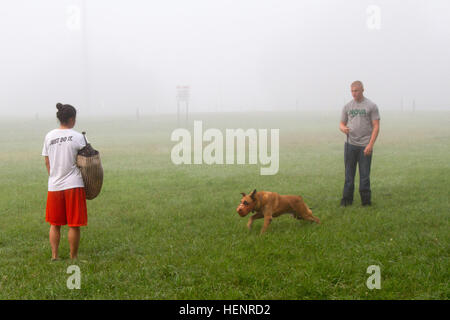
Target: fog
112 57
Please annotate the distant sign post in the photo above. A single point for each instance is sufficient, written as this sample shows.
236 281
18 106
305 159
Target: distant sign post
76 22
182 98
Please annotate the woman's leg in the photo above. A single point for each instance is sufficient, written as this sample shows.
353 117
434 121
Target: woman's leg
76 216
74 241
54 236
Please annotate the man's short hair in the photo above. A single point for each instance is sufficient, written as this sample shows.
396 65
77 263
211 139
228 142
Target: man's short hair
357 83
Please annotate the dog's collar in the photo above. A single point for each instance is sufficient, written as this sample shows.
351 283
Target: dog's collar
254 207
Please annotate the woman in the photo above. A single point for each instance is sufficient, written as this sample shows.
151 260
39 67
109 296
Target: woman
66 197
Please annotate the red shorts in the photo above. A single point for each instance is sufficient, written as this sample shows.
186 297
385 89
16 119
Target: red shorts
66 207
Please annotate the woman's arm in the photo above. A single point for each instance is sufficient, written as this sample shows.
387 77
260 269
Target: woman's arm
47 164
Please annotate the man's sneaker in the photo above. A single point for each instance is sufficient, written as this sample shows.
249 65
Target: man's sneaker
346 202
365 199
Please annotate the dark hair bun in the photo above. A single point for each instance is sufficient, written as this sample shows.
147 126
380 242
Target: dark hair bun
65 112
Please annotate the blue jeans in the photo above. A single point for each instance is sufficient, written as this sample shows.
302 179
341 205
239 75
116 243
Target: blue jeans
354 155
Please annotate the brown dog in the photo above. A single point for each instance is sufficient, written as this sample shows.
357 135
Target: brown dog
270 205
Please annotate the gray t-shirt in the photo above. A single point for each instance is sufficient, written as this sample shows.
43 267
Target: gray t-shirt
359 116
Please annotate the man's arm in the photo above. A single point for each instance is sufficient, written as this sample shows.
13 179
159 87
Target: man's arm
373 137
343 127
47 164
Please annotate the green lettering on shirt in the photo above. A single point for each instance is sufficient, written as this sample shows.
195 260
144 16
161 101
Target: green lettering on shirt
355 112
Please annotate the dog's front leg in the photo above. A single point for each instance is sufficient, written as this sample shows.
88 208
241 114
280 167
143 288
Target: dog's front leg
267 221
252 218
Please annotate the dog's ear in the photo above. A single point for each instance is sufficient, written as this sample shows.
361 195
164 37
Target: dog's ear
243 194
252 195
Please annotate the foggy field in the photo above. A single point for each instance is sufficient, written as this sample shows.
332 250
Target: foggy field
161 231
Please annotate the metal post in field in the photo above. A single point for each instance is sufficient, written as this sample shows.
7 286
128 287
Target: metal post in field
182 97
178 112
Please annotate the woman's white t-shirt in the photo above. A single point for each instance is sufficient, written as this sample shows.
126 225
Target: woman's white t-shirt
61 146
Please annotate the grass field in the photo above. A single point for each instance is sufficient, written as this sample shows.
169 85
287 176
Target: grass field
160 231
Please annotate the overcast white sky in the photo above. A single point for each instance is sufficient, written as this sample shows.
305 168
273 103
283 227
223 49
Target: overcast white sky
234 54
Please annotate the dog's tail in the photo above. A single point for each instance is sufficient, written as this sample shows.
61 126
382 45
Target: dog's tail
310 208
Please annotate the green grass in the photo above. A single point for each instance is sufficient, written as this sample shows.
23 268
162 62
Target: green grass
160 231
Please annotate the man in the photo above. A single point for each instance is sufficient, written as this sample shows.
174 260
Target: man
360 121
